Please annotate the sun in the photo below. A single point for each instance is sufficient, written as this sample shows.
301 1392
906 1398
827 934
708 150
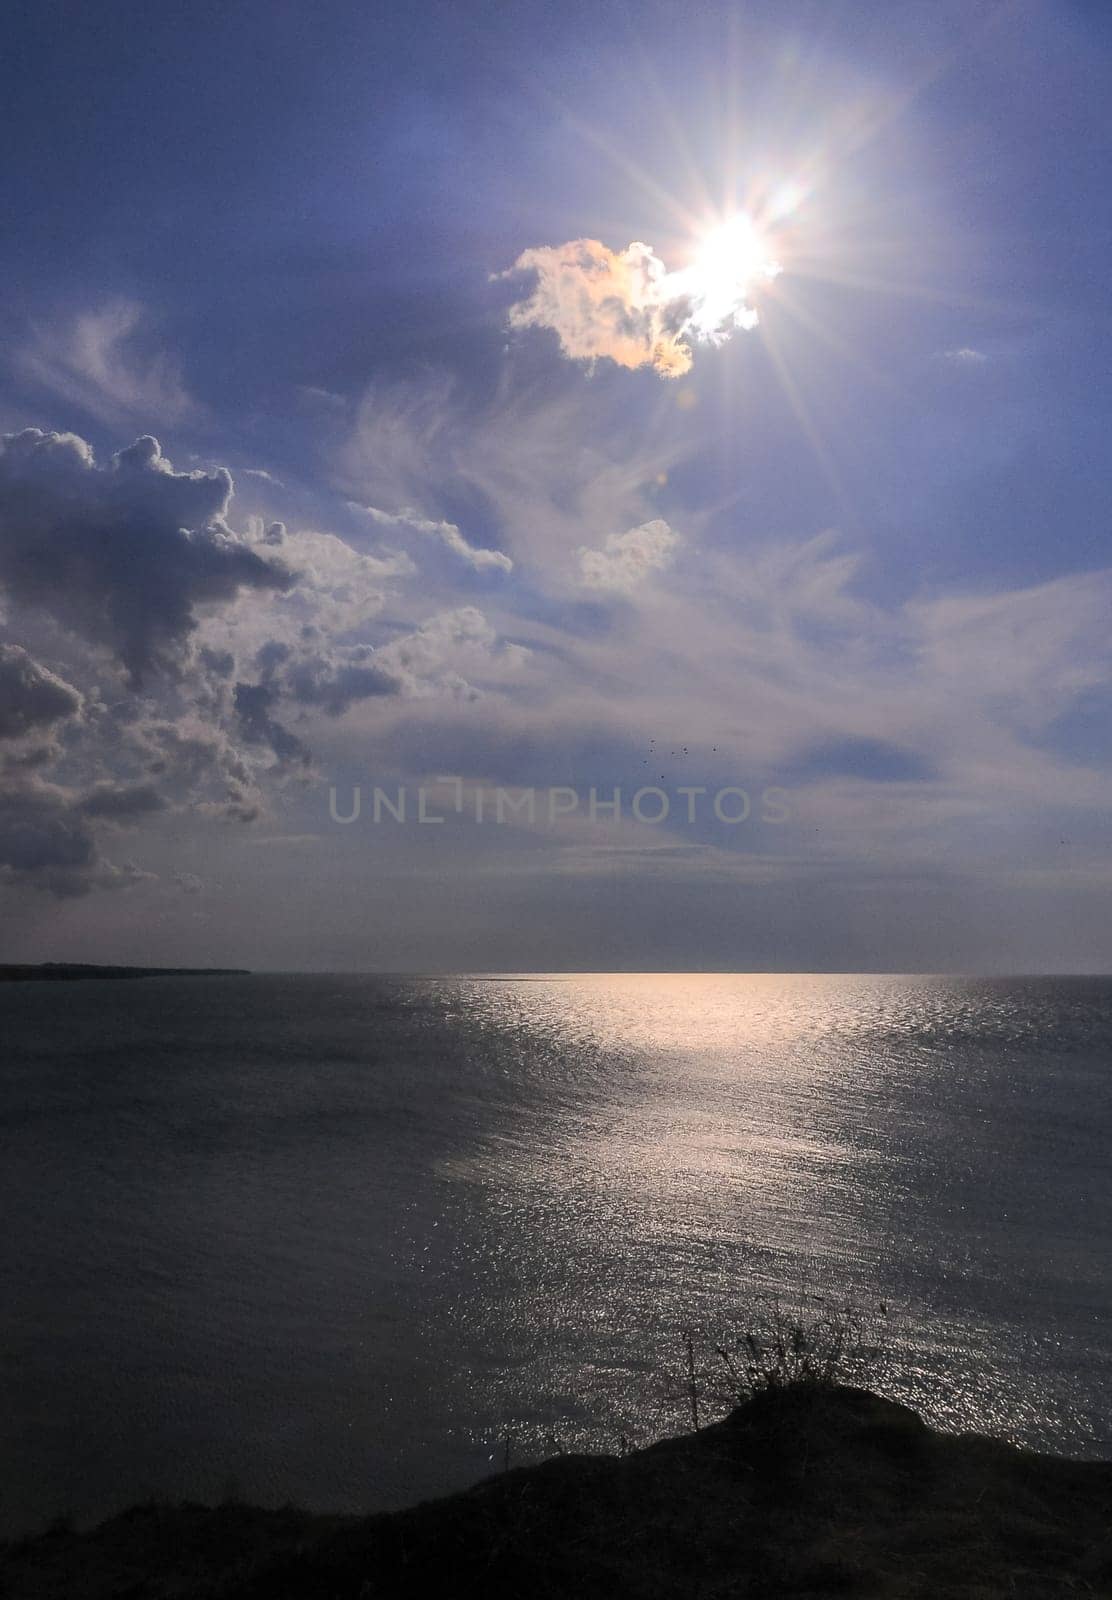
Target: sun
732 255
732 258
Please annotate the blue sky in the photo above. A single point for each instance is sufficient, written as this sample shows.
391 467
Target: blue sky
856 553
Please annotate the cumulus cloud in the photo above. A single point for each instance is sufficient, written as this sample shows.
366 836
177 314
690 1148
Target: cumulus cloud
965 356
196 760
46 843
225 637
255 703
104 360
448 534
602 302
121 801
122 554
31 697
337 678
425 662
430 661
626 560
39 828
625 306
336 588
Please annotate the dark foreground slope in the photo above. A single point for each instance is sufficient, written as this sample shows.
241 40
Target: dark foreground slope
803 1494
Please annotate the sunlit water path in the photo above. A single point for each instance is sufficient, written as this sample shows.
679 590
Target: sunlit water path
338 1239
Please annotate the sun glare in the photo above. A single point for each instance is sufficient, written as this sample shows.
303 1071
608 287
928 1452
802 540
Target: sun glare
732 259
734 256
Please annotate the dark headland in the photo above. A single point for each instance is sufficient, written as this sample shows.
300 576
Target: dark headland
806 1493
68 971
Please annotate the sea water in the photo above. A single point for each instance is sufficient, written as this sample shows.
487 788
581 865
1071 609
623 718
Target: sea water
353 1241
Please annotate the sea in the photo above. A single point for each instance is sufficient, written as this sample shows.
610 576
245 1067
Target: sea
351 1241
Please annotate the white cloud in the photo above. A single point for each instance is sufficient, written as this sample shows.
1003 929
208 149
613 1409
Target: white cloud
549 466
447 533
626 560
625 306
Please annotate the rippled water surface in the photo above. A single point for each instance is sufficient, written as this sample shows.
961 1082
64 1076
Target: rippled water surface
346 1240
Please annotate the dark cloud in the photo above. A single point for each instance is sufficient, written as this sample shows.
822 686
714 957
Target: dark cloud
27 758
333 678
44 840
46 843
254 703
121 554
31 697
40 829
221 663
335 682
271 655
136 558
122 801
201 761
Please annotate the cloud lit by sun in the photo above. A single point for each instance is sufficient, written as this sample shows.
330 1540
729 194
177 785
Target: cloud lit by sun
627 307
733 259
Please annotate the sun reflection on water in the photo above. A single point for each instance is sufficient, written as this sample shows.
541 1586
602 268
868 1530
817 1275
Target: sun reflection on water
695 1143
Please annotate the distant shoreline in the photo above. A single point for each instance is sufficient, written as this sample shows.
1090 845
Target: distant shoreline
72 971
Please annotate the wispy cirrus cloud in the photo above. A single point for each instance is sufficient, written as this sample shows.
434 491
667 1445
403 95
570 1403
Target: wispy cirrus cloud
107 361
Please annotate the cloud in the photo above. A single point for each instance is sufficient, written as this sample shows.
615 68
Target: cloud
448 535
426 663
217 631
965 356
220 663
46 844
254 703
336 680
31 697
122 554
122 802
39 828
199 763
551 470
334 677
626 560
335 588
103 362
189 882
625 306
604 303
46 841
